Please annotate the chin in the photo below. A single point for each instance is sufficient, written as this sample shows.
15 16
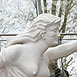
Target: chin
55 43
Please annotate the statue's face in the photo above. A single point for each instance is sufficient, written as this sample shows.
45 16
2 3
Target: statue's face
51 36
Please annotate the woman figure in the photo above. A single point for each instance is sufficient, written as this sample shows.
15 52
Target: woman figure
28 54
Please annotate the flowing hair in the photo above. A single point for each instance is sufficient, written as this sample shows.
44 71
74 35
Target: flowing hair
34 33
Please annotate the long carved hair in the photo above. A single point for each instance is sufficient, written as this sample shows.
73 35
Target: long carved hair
35 31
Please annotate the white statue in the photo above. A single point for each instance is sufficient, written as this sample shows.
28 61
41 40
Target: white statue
28 53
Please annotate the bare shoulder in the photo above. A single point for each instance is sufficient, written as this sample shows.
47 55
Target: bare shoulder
46 54
13 48
48 51
12 52
49 54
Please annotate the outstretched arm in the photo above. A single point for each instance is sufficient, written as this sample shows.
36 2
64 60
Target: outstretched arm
61 50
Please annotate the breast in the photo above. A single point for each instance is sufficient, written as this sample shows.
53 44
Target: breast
30 68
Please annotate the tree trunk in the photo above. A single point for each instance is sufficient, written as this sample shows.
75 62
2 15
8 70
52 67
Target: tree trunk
45 6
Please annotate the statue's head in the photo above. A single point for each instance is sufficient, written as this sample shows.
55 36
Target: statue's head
46 27
39 27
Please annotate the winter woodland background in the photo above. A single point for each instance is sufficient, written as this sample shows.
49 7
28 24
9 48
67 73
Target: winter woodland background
17 15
